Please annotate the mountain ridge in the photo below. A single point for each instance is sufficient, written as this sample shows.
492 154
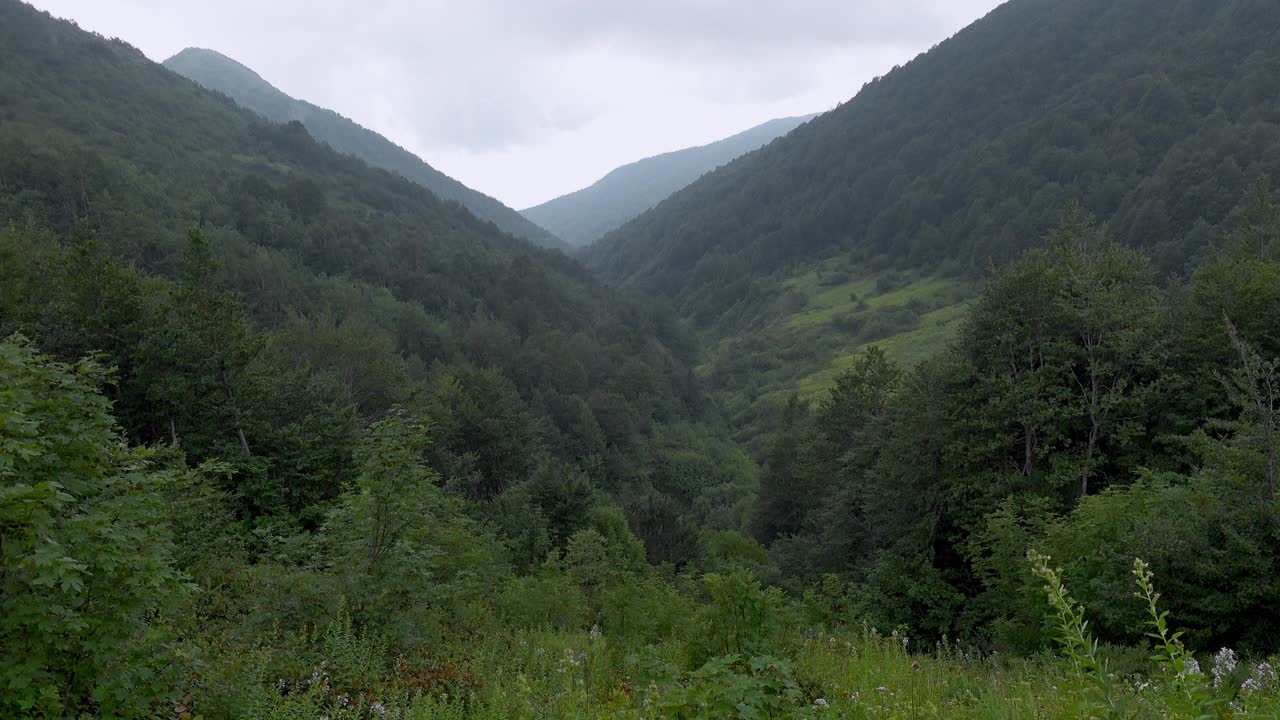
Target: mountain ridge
244 85
969 152
583 216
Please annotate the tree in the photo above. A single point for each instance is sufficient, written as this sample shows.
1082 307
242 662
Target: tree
200 342
399 546
85 551
1254 387
1113 307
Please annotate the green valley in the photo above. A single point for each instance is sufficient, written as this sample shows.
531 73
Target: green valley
960 400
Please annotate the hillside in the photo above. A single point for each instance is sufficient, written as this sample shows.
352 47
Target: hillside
283 435
582 217
348 274
1145 112
1148 114
218 72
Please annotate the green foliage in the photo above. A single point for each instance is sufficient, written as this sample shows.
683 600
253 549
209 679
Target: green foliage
733 687
727 550
1147 134
1192 695
357 277
400 548
742 618
582 217
222 74
1078 645
545 601
87 554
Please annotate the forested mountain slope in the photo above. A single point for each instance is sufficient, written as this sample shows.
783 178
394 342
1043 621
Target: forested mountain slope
582 217
218 72
1151 114
356 283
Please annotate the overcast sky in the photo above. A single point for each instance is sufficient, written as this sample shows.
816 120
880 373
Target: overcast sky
529 99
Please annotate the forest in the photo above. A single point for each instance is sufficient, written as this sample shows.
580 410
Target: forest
283 435
220 73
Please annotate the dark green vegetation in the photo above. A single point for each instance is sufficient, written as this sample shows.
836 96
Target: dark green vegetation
1082 410
1153 115
222 74
580 218
315 293
283 436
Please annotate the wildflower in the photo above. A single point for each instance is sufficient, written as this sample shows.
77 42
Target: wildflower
882 689
378 707
1224 663
1262 677
821 704
595 633
854 696
1191 668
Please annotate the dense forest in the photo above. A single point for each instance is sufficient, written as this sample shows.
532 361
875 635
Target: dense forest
283 435
879 218
1153 115
222 74
582 217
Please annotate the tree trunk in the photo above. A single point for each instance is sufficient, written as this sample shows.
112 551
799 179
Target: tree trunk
235 414
1083 490
1028 451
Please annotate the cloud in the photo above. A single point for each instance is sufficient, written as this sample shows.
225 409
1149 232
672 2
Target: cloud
530 98
731 28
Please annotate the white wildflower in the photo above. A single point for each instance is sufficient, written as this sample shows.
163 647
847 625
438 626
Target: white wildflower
821 704
1262 678
1191 668
1224 663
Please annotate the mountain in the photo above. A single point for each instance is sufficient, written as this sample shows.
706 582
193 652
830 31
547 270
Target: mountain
219 72
582 217
874 220
360 279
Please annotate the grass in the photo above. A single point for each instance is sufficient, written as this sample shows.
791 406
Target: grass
855 674
935 331
827 304
803 351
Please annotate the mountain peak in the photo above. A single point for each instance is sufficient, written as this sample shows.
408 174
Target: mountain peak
223 74
583 216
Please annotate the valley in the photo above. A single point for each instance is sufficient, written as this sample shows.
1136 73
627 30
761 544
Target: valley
960 399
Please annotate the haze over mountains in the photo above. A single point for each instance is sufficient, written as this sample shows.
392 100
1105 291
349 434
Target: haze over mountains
1154 116
219 72
582 217
971 151
401 284
285 434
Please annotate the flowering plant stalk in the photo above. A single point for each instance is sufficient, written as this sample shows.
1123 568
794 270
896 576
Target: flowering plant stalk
1100 697
1194 696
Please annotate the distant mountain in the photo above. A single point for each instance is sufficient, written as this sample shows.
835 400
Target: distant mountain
353 266
873 222
1154 115
582 217
218 72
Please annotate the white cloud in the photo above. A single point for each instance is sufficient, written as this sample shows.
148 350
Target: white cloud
529 99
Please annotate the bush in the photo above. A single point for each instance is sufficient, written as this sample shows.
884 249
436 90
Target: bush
548 601
741 619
